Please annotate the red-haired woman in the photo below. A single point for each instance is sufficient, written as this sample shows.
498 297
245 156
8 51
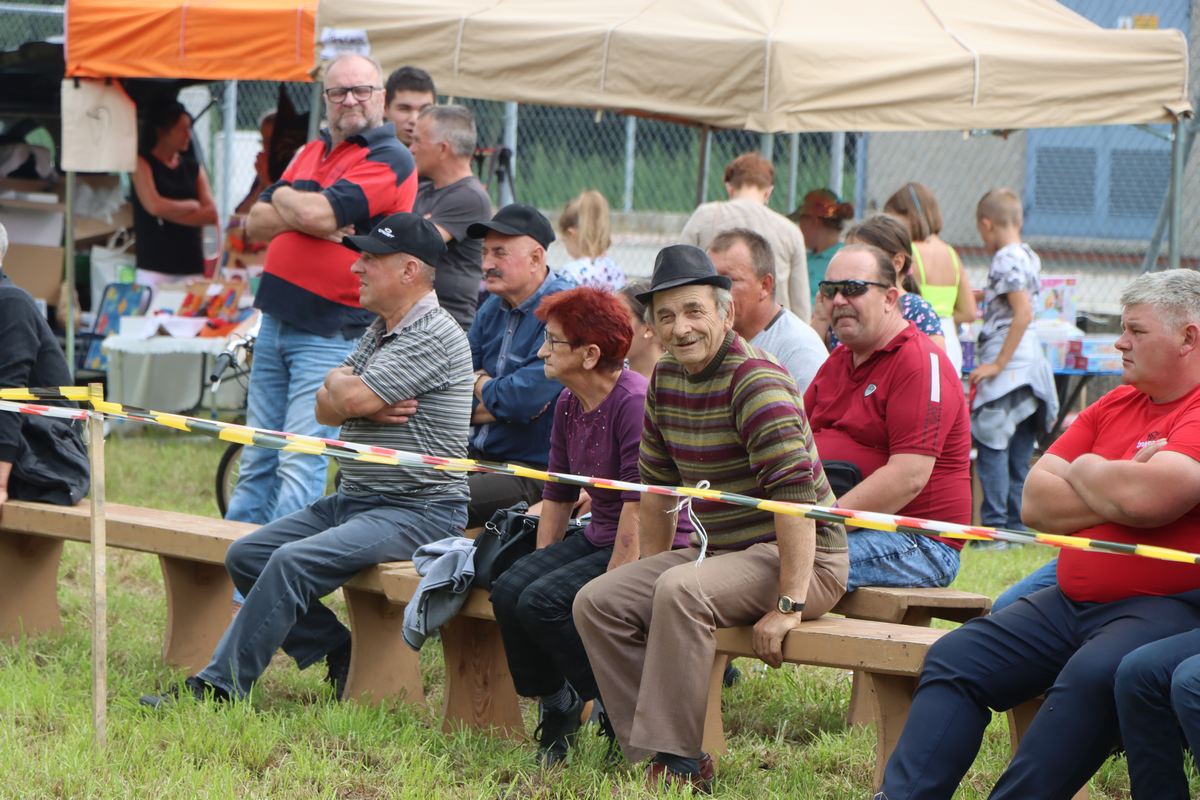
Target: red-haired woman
597 430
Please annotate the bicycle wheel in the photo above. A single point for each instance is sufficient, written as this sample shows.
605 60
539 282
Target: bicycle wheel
227 475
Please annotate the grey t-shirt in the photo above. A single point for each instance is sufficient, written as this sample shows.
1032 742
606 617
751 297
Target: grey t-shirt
795 345
459 271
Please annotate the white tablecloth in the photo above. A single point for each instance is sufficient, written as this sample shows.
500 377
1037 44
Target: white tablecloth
165 373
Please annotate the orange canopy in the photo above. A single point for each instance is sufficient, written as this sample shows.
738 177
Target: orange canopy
205 39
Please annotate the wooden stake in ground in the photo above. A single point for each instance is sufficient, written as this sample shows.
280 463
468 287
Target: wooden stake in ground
99 569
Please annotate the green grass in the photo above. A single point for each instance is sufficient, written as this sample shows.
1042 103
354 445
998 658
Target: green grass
786 727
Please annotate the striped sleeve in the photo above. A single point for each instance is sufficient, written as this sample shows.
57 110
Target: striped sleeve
774 430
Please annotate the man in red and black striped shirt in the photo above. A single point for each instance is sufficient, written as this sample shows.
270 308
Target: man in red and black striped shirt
355 174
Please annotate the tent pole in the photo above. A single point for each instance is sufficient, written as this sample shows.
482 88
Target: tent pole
508 189
793 168
705 157
315 107
630 161
229 125
69 269
837 161
1177 159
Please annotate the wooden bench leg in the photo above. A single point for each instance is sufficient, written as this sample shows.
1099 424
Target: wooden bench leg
714 726
892 695
479 690
1019 720
198 611
861 711
29 575
382 666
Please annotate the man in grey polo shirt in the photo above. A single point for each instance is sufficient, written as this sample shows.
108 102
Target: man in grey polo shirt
414 350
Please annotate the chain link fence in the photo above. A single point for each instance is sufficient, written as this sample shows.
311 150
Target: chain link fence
1092 196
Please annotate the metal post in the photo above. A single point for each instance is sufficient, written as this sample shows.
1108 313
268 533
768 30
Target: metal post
316 108
766 146
860 175
630 157
793 168
705 158
837 161
229 124
69 269
510 142
1176 191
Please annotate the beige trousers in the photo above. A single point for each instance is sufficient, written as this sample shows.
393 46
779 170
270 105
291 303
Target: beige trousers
649 629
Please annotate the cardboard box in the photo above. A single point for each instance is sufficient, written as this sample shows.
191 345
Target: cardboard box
1094 344
1057 301
37 269
1098 363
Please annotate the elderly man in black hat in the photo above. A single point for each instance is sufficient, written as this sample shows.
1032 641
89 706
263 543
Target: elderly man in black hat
721 412
514 398
414 349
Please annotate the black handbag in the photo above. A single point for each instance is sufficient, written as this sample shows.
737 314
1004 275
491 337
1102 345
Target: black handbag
508 536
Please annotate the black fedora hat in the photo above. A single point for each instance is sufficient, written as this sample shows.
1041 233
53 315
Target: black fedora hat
401 233
516 219
682 265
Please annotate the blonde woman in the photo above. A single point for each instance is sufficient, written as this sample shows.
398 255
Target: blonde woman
584 226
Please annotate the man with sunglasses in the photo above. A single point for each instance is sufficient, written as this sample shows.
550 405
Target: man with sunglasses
888 403
349 178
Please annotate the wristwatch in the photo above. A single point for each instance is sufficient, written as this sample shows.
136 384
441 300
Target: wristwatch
787 605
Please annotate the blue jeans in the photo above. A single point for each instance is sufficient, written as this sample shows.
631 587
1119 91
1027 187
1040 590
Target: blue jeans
899 559
289 366
1043 576
1158 692
1045 644
285 568
1002 477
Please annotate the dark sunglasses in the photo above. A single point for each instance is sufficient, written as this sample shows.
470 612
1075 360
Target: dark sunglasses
850 288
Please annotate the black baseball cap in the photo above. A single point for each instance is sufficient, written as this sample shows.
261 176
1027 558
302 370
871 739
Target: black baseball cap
401 233
516 219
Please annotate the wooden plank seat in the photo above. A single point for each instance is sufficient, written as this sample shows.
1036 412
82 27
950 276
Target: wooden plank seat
191 551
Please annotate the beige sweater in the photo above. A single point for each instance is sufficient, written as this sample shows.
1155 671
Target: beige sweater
791 263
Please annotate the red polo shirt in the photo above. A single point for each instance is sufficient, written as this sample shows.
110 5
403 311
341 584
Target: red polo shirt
307 281
1116 426
904 398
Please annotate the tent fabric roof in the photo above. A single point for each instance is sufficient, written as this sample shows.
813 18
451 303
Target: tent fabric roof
209 39
787 65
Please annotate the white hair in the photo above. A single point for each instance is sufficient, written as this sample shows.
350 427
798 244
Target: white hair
3 243
1174 293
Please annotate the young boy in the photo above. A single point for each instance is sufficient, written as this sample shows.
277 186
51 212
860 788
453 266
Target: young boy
1015 398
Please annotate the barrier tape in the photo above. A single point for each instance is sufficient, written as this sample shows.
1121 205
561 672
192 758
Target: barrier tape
290 442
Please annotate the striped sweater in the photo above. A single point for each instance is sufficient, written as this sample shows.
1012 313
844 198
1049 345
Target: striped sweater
740 425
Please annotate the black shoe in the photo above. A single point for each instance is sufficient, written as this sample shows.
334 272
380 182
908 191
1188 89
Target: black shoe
337 664
612 755
556 732
198 688
732 675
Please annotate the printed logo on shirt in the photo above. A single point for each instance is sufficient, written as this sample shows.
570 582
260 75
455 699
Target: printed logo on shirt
1151 438
870 390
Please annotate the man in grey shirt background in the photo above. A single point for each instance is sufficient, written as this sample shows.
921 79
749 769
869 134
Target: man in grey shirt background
747 260
451 197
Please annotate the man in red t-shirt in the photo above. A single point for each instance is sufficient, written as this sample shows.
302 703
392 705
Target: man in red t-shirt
1127 470
889 403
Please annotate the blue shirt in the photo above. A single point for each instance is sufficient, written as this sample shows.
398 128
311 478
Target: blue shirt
504 343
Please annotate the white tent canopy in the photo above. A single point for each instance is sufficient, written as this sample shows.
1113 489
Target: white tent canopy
788 65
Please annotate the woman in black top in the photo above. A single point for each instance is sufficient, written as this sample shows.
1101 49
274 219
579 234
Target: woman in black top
171 198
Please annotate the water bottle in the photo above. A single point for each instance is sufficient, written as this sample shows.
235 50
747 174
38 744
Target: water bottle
966 338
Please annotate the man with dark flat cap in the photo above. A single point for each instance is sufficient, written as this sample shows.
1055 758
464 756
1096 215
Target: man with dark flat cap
722 411
413 350
514 398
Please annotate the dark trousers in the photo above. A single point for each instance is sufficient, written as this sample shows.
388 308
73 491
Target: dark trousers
1043 643
532 602
491 492
1158 693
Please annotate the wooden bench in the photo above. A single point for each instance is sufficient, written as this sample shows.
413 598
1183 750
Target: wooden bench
916 607
191 551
